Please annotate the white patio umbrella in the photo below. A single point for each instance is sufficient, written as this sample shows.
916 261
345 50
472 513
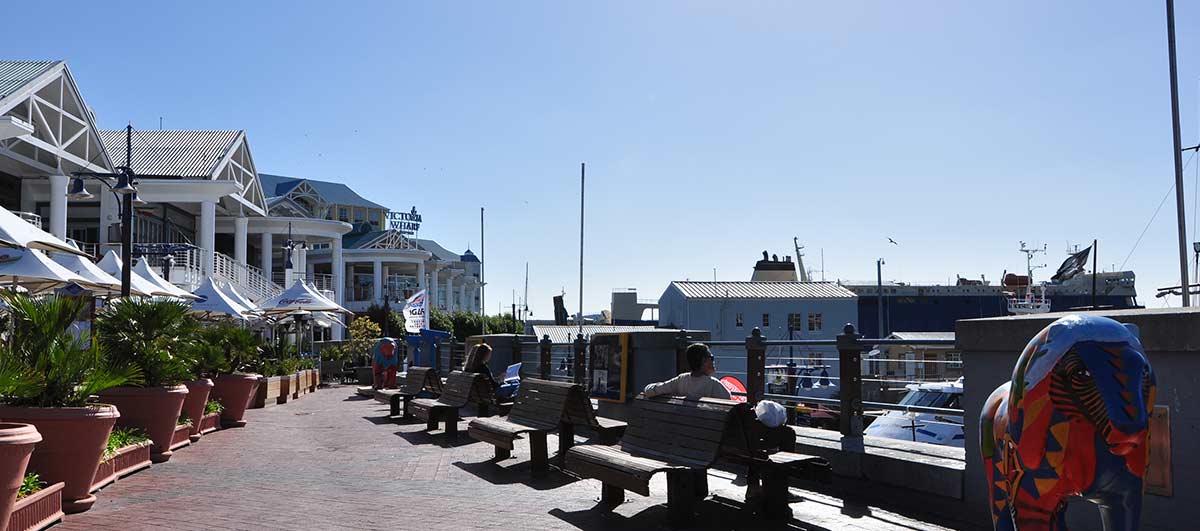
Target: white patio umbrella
106 284
299 297
16 232
34 271
143 268
237 297
111 264
214 301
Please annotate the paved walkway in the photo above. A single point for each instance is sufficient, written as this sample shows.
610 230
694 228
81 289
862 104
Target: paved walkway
331 460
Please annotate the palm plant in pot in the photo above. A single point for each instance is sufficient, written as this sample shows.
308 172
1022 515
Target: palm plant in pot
156 337
207 358
233 357
49 374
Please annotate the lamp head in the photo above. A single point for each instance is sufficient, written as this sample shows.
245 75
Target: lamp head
77 190
125 182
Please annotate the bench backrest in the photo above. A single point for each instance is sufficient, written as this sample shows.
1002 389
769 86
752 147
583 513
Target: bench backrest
541 403
421 378
579 409
464 387
685 431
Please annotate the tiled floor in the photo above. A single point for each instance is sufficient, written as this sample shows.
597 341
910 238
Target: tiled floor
331 460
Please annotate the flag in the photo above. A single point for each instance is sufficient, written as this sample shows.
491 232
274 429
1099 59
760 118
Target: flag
1072 266
416 315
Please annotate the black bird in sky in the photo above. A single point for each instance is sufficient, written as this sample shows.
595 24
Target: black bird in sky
893 242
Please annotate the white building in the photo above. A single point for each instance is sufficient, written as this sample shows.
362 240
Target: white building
201 191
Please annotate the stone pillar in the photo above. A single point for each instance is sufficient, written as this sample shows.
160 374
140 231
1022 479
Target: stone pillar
462 297
240 225
450 293
377 295
58 205
208 235
267 254
433 285
339 272
421 277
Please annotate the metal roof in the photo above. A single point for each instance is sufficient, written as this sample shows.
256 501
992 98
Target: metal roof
171 153
16 74
762 290
919 336
439 252
566 333
333 193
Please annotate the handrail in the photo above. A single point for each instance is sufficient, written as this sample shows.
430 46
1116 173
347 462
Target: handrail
876 405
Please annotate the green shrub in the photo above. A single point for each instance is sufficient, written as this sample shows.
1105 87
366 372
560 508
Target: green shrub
122 437
213 406
30 485
154 335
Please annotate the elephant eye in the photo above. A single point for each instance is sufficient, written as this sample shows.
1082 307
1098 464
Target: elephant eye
1082 372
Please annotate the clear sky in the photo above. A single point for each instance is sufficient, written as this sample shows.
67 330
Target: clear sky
712 131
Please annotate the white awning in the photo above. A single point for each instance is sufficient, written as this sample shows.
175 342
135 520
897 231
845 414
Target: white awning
16 232
143 268
111 264
34 271
106 284
211 300
299 297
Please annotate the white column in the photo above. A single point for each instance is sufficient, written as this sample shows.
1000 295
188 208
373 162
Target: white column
383 287
433 286
421 276
208 235
239 239
339 286
377 295
267 257
462 297
58 205
450 293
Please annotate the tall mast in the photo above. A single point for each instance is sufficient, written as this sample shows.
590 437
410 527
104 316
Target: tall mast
800 260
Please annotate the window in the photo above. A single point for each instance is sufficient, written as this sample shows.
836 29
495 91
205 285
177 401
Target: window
956 360
766 320
739 320
358 215
343 214
794 323
374 217
814 322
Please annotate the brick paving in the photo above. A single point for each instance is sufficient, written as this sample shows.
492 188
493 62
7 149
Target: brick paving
331 460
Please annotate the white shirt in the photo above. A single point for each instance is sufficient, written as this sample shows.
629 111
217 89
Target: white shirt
690 387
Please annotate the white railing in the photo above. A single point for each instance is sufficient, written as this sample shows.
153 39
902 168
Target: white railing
30 217
247 279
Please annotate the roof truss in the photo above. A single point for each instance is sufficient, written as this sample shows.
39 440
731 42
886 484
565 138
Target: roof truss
238 165
64 137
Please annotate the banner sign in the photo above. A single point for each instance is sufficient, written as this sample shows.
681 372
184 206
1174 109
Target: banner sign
408 223
416 315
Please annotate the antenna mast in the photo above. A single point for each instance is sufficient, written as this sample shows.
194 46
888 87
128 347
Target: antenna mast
1029 267
800 260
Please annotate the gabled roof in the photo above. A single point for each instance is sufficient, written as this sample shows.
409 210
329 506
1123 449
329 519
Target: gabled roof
762 290
566 333
469 257
439 252
16 74
335 193
193 154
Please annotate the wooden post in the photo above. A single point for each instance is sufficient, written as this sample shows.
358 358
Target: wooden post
544 360
539 460
681 345
580 360
850 388
756 366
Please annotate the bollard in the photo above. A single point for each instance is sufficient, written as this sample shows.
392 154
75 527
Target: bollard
580 360
544 360
849 346
681 344
756 366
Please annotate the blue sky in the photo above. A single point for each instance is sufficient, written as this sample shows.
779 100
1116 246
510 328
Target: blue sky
711 130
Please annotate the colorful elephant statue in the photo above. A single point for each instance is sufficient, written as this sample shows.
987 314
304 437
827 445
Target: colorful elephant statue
385 363
1073 422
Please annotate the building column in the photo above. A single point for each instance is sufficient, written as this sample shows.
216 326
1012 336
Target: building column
421 277
384 286
267 255
338 266
58 205
462 297
377 285
433 285
208 235
450 293
239 239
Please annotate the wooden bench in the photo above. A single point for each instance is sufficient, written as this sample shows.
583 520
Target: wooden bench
682 438
539 409
579 412
774 468
416 380
461 388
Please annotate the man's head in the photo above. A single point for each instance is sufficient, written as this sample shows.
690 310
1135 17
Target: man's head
700 359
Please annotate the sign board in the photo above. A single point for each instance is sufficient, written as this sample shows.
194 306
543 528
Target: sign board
609 366
407 223
416 315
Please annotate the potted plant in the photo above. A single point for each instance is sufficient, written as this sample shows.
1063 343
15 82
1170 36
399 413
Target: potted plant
38 505
211 421
55 373
207 358
155 336
16 443
235 382
127 451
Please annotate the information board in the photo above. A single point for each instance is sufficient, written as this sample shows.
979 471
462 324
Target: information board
608 367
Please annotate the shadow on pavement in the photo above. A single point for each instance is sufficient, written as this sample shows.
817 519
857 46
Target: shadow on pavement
492 472
439 438
357 398
712 513
379 420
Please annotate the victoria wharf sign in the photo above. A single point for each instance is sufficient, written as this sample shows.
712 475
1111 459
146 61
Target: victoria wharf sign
406 222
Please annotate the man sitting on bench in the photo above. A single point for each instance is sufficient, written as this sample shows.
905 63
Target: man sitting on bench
696 384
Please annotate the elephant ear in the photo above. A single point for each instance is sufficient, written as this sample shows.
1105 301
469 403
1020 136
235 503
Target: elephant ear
1133 329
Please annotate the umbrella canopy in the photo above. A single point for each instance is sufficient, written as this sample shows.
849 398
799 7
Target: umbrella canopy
214 301
16 232
106 284
33 270
237 297
143 268
111 264
299 297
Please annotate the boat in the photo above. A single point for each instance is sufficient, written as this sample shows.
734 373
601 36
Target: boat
932 428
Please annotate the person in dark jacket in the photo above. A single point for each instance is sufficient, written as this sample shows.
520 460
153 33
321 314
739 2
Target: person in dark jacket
477 362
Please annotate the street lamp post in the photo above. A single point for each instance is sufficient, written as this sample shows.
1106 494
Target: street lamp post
125 190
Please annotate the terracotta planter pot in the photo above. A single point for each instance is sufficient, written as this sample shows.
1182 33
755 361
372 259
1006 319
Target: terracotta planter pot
73 440
154 410
234 391
193 405
38 510
123 462
209 423
285 389
16 443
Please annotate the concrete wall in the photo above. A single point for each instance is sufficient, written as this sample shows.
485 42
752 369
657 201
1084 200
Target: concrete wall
1171 338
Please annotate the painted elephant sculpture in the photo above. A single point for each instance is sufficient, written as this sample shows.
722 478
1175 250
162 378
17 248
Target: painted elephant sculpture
1073 422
